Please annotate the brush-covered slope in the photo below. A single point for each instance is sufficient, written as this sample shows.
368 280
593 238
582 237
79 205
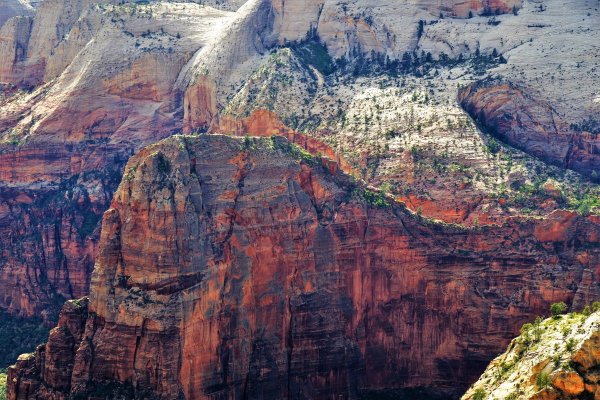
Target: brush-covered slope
556 358
246 268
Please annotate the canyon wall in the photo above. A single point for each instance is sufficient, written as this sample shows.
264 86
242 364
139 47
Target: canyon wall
64 145
244 268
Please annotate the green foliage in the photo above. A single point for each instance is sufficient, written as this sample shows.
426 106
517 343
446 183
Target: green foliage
292 149
570 345
377 199
493 146
596 306
556 360
512 396
542 380
586 204
557 309
526 328
248 143
131 173
2 386
479 394
314 53
18 336
587 311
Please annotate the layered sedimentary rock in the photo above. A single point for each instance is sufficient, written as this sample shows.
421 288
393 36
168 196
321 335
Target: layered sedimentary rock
558 358
63 146
518 118
244 268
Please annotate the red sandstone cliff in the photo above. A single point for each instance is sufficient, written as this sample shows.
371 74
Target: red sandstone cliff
240 268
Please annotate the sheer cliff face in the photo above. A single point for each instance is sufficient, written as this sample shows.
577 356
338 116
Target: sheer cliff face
238 268
112 78
112 72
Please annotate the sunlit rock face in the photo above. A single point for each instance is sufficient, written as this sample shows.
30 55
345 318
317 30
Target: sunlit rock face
111 90
254 276
552 359
245 268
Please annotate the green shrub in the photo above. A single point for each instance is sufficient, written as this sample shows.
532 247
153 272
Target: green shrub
557 309
377 199
2 386
314 53
512 396
526 328
586 311
479 394
570 345
542 380
596 306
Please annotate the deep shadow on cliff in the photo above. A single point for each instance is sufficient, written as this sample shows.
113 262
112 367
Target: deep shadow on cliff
245 268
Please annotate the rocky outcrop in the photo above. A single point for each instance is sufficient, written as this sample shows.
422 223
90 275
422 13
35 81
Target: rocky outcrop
518 118
553 359
242 268
14 39
360 27
64 145
264 123
14 8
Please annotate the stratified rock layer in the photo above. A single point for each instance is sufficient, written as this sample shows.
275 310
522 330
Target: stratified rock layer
244 268
63 146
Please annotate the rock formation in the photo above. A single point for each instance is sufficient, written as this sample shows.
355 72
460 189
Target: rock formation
557 358
13 8
244 268
511 114
225 267
64 145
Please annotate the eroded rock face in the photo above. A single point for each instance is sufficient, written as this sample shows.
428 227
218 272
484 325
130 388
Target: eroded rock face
242 268
64 145
14 8
553 359
358 26
14 39
518 118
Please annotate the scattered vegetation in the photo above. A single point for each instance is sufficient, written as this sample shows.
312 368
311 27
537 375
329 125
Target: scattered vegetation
590 125
312 52
292 149
557 309
479 394
2 384
374 198
18 336
415 63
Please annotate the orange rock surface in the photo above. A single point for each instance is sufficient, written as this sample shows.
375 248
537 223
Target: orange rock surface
229 269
